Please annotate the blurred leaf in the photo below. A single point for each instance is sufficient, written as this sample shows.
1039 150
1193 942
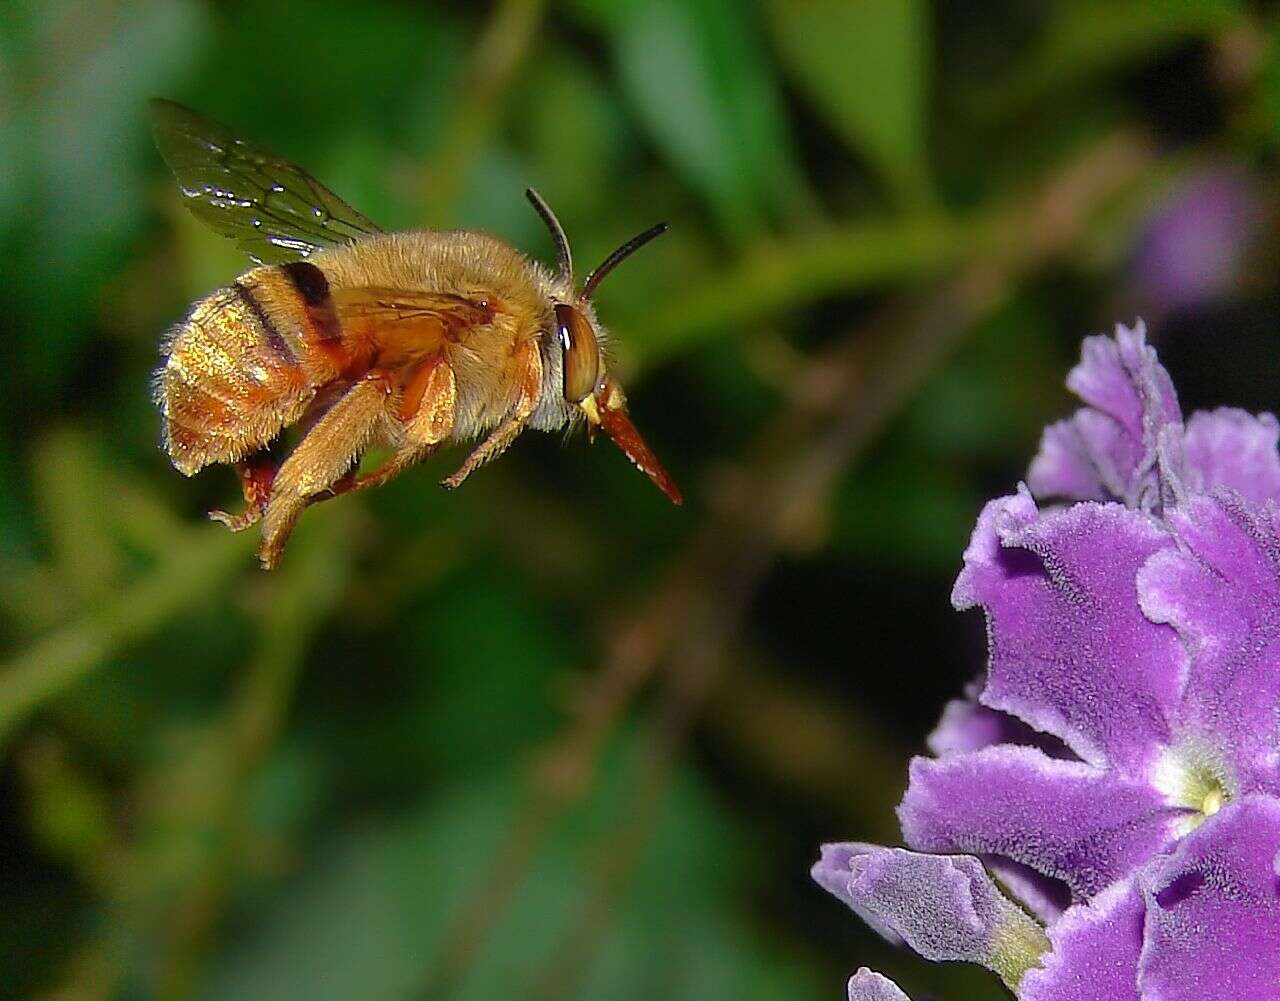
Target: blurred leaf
203 260
576 134
368 916
865 65
697 76
1271 84
485 619
60 659
904 507
72 495
775 277
16 522
1085 39
293 75
69 812
996 394
71 142
492 197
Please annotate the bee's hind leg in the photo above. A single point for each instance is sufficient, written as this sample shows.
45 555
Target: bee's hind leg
257 473
322 458
530 363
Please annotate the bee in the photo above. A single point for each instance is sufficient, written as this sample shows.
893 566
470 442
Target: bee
349 337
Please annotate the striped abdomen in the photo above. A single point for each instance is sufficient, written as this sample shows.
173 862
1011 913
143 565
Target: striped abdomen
245 363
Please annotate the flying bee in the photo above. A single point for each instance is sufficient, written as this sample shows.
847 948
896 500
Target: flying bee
359 338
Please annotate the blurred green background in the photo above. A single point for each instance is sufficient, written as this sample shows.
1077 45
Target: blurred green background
549 736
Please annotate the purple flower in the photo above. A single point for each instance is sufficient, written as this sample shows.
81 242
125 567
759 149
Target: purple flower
1118 767
1194 248
943 907
866 985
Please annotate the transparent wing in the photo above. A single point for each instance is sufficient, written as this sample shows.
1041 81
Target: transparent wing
274 211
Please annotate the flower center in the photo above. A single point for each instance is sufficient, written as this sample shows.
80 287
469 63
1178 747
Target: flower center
1195 778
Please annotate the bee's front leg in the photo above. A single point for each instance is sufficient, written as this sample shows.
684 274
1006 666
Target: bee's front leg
323 457
529 362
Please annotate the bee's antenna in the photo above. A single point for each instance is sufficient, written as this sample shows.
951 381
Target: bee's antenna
618 256
563 254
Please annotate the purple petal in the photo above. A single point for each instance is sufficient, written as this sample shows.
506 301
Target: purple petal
1071 653
1122 377
944 907
1064 819
1194 248
1064 467
1095 951
1232 448
866 985
1108 449
1213 910
1045 898
833 871
1221 592
967 725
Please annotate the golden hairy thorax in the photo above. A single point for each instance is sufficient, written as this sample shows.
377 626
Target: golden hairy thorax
509 294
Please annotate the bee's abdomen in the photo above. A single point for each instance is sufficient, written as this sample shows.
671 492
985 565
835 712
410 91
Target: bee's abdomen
244 364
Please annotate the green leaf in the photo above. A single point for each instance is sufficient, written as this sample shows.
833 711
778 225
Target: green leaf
71 195
373 910
1087 39
575 134
697 76
865 66
1269 91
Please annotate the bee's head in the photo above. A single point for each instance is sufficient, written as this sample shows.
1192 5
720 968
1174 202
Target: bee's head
586 383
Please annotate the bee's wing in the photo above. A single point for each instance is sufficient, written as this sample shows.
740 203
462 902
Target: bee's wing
414 318
275 212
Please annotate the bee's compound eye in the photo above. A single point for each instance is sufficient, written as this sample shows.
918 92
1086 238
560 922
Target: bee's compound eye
581 353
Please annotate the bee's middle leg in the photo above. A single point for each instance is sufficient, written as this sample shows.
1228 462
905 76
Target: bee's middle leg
427 409
323 457
529 362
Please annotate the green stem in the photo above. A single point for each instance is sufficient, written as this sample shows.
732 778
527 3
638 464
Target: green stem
805 268
190 572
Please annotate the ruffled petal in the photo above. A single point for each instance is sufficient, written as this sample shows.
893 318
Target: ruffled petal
1121 377
1095 950
1213 910
1221 592
1064 467
967 725
1108 449
867 985
1064 819
943 907
1071 653
1233 448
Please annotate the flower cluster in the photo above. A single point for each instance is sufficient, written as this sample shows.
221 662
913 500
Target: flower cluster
1116 772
